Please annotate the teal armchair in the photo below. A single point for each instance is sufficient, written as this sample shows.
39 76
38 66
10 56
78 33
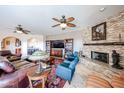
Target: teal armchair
66 69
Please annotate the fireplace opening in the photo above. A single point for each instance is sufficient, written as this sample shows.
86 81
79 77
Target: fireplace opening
100 56
56 52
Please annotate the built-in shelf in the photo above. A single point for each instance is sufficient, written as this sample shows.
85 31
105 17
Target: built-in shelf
104 44
68 45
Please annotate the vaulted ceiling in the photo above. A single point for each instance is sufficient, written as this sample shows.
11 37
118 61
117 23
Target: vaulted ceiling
38 19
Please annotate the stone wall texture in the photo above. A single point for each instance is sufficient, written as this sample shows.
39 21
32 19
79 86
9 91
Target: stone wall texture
115 26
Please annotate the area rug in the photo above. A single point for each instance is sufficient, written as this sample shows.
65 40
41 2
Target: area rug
54 81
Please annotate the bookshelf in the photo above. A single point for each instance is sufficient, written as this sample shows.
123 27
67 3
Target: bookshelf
68 45
48 46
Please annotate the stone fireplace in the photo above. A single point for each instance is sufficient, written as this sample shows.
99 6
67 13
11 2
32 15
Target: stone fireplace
100 56
114 39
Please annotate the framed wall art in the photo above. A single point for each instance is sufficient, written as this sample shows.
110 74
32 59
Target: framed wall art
99 32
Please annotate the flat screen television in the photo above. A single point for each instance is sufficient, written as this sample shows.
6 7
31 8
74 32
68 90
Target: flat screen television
58 44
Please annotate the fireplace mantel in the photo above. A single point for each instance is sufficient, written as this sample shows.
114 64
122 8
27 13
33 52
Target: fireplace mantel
105 44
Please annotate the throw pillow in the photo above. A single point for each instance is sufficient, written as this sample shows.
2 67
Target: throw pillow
65 64
72 65
76 59
6 66
66 61
69 54
3 58
75 54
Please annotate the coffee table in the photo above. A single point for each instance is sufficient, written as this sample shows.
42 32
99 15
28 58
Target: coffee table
38 77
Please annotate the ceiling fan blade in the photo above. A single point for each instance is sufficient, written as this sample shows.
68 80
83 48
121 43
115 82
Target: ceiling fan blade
70 19
27 31
56 19
24 32
71 25
56 25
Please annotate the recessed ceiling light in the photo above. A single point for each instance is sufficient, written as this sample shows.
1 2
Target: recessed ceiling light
102 9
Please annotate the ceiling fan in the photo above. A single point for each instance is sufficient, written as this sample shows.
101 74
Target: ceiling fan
20 30
63 23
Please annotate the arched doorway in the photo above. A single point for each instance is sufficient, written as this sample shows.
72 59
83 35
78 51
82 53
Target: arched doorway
11 43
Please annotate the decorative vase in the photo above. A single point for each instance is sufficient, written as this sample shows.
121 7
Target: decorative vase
39 69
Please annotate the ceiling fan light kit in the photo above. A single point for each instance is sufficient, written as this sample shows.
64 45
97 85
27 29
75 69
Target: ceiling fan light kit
63 23
20 30
17 31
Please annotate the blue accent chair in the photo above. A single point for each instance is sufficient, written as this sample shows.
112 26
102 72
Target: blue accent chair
66 69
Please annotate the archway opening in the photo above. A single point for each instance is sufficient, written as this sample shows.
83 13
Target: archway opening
11 43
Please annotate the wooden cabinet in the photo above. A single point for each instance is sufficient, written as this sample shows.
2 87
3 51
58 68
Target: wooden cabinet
68 45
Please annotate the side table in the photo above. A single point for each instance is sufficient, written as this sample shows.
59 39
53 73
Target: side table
33 76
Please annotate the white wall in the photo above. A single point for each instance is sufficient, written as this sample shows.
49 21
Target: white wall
23 38
76 35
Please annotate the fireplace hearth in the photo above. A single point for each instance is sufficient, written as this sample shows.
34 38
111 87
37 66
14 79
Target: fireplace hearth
100 56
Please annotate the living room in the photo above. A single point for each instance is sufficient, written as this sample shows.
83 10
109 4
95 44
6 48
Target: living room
62 48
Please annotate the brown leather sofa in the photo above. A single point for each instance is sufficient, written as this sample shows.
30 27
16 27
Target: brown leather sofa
17 79
11 57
